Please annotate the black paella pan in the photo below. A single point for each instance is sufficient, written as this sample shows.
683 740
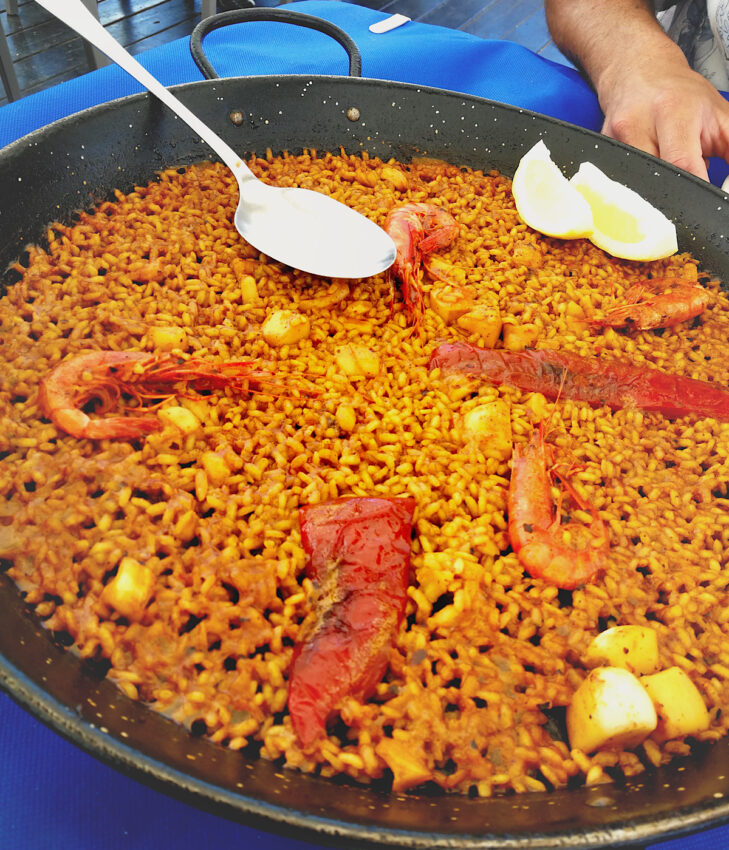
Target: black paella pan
126 142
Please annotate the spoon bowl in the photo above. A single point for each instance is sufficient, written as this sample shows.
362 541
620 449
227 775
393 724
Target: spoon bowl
301 228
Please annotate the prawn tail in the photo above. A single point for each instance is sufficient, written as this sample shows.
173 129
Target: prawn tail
121 427
78 424
560 566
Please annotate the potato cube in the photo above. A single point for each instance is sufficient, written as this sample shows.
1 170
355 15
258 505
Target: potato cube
131 589
395 177
484 320
185 526
358 360
538 406
679 704
517 337
528 255
610 709
248 289
181 418
167 338
439 268
215 467
406 763
285 327
346 417
451 301
489 425
242 269
633 647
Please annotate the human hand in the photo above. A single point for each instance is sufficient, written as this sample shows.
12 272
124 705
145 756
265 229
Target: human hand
665 108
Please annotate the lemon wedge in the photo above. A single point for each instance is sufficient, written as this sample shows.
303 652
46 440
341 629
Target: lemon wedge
612 216
625 224
545 199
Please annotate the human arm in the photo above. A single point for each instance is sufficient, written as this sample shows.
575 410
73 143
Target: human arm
649 95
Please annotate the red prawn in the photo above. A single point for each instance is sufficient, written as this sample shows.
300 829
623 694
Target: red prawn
658 303
597 381
107 375
536 532
416 230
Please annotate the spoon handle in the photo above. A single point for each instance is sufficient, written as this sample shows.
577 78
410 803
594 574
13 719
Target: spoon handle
75 15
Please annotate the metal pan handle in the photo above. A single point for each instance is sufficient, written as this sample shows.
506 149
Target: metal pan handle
281 15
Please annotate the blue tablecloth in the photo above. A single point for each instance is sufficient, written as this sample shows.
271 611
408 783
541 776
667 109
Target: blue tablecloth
52 795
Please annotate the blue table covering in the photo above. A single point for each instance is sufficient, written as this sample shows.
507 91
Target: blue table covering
52 795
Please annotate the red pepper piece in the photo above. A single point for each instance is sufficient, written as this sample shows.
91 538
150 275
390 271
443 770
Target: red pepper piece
596 381
359 557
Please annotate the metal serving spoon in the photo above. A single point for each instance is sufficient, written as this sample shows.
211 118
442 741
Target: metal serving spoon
301 228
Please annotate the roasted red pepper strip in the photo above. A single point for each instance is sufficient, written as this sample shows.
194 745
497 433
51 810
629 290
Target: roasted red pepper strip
359 558
559 374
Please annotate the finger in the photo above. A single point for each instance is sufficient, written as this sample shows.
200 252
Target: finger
636 133
679 142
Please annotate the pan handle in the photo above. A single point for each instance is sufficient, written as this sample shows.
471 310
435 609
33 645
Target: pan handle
259 14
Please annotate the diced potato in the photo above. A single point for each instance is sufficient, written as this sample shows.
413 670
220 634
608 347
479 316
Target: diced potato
216 468
185 526
446 272
538 405
198 406
285 327
483 320
489 425
451 301
518 337
358 360
395 177
131 589
528 255
407 765
633 647
610 709
346 417
679 704
248 289
181 417
167 338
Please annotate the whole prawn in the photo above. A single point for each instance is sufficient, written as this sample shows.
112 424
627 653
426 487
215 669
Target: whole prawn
107 375
416 230
595 380
536 532
658 303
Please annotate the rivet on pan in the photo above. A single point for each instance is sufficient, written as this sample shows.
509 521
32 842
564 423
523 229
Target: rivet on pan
353 113
236 116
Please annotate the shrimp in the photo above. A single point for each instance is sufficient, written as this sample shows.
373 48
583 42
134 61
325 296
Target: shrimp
659 303
535 529
107 375
416 230
595 380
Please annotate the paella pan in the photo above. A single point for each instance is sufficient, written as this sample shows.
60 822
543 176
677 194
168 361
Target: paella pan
386 144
